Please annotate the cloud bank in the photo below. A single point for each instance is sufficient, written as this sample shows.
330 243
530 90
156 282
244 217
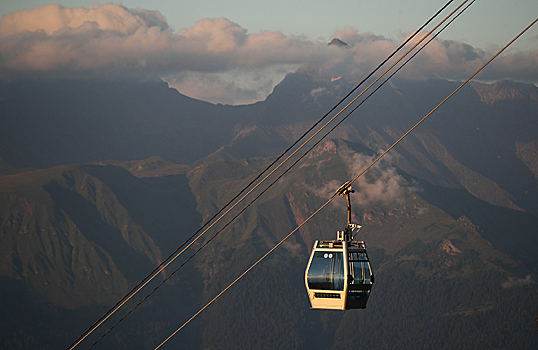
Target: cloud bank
380 185
216 59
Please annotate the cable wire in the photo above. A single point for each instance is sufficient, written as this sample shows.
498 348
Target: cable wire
330 131
205 244
288 159
351 182
170 258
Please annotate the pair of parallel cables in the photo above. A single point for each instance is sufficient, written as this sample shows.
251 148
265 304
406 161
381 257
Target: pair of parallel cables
175 254
348 183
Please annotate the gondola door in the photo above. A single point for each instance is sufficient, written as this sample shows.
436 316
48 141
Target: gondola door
326 276
360 277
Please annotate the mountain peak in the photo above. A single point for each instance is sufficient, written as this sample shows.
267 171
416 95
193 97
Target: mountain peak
337 42
505 90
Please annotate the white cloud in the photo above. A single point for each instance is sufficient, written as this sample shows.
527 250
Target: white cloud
216 59
210 87
518 282
53 17
113 37
380 185
234 86
293 248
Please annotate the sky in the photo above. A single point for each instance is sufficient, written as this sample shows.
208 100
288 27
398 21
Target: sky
235 52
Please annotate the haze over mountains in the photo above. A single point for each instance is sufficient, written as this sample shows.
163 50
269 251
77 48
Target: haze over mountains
101 179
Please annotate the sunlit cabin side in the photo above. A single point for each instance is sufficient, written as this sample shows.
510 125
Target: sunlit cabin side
338 275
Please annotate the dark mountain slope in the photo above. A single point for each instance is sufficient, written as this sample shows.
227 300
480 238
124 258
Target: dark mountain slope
449 217
470 142
472 312
52 122
511 231
49 251
47 123
78 238
482 133
440 275
472 132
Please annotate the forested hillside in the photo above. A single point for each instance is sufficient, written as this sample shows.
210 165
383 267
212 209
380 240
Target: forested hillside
449 217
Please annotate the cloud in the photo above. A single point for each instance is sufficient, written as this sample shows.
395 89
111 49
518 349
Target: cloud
51 40
441 58
518 282
234 86
216 59
209 87
519 66
380 185
293 248
54 17
112 36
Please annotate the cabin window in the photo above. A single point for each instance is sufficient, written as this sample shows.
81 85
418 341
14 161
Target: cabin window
326 271
359 268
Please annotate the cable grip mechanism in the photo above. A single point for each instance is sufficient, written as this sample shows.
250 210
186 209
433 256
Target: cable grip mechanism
347 234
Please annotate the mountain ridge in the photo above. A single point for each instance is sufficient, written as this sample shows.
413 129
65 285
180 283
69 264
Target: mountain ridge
448 217
448 240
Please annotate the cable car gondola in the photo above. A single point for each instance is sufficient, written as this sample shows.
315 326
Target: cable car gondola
339 275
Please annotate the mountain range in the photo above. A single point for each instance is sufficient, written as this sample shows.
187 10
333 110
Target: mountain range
102 179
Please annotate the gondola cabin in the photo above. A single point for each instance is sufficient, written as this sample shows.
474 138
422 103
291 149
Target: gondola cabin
338 275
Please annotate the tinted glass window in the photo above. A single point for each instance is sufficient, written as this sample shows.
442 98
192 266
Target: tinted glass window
359 268
326 271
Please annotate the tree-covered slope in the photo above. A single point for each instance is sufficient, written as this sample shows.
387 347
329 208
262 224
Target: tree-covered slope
437 270
75 239
443 277
449 216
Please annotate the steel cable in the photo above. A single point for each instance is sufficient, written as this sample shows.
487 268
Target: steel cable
164 266
207 242
350 182
171 257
